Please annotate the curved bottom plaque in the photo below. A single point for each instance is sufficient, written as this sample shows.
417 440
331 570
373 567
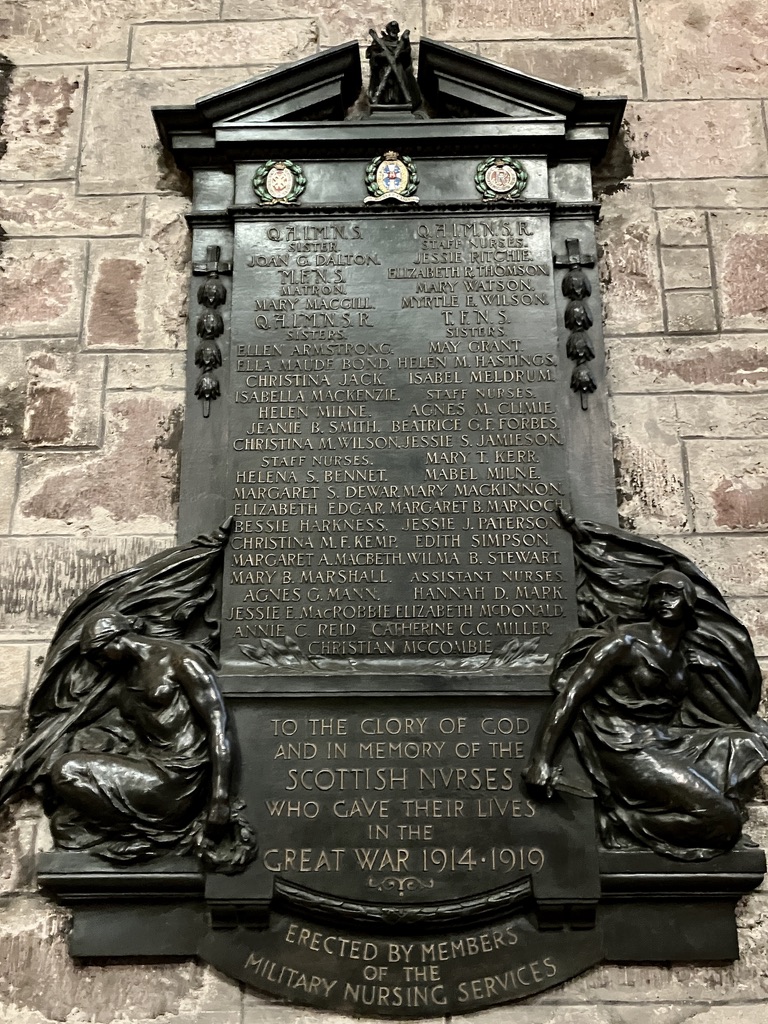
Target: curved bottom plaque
403 974
410 958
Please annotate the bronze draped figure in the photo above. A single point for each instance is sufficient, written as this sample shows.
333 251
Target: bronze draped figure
128 743
659 689
129 748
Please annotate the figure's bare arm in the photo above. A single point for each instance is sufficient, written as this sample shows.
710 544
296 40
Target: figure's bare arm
605 657
200 687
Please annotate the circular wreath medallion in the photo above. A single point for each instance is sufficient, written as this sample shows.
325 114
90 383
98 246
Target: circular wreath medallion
279 181
500 178
391 176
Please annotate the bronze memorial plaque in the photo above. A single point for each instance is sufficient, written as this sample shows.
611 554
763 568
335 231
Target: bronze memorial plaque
411 728
398 447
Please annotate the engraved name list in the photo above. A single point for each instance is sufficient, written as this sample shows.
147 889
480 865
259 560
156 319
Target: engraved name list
397 454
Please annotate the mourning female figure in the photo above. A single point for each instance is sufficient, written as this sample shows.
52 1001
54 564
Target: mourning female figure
661 725
158 755
128 743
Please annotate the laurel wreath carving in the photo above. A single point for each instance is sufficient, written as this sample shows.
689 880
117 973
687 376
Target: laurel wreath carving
488 905
487 193
260 182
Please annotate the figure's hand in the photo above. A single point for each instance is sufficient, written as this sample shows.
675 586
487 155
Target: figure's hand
701 660
541 773
218 812
569 523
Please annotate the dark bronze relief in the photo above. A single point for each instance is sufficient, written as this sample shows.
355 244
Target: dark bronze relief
578 318
211 294
392 82
481 752
659 689
128 744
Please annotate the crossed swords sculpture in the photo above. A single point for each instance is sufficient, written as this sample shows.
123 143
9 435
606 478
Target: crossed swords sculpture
394 67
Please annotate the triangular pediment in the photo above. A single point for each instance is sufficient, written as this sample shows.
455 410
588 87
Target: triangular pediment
457 84
324 89
318 88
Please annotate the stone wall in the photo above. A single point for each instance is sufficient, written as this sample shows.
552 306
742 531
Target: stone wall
92 322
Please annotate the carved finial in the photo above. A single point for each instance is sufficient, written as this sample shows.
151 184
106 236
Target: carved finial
392 82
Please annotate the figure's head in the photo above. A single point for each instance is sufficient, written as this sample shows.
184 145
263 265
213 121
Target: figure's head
392 29
101 635
671 598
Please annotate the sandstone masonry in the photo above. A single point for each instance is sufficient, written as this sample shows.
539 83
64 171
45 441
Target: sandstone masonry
92 327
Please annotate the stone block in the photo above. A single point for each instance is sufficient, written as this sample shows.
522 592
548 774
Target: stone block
733 362
14 672
218 45
649 466
602 66
145 371
38 651
720 138
129 487
757 826
43 839
465 19
729 484
51 395
17 855
217 1000
41 125
121 151
9 469
696 50
137 288
722 416
616 1013
702 1013
261 1010
12 727
686 268
681 227
209 1017
47 573
740 243
753 612
42 287
112 308
17 841
339 21
738 565
629 264
54 209
42 983
691 312
712 193
53 31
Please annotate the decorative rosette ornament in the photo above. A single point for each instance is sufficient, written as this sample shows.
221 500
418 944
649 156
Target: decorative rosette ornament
391 176
208 359
583 383
578 318
211 294
279 182
500 179
207 390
